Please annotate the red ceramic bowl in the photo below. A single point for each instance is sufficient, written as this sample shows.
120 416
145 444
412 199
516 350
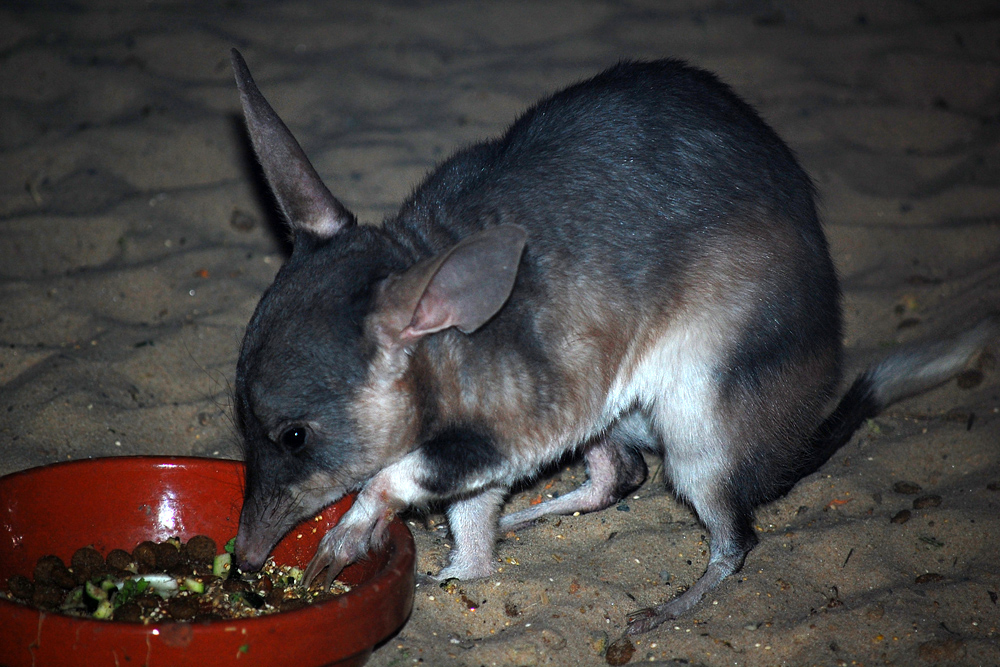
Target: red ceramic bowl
118 502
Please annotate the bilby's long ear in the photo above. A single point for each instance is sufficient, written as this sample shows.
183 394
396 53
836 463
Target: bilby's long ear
462 287
305 201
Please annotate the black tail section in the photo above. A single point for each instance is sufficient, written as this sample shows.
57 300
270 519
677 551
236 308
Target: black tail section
908 371
857 406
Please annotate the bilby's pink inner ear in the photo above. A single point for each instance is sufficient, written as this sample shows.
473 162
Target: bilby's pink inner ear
463 287
304 200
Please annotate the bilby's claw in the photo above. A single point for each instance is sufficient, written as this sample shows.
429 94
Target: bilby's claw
644 620
322 558
309 575
334 569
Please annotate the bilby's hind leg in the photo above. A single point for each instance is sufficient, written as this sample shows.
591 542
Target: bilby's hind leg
732 537
615 468
473 524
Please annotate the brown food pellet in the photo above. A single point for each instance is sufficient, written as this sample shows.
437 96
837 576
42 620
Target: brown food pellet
47 596
275 596
148 600
88 557
167 555
87 563
129 612
923 502
929 578
907 488
144 556
200 549
620 652
235 585
181 570
51 570
902 516
21 587
119 559
182 608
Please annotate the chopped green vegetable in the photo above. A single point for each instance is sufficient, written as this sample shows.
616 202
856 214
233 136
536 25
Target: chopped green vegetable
104 609
230 546
95 592
221 564
130 590
245 648
73 599
194 585
294 575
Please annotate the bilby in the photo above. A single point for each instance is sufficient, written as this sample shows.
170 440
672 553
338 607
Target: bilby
636 265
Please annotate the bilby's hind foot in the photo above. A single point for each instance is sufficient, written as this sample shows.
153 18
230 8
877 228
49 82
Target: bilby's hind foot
729 521
645 620
613 471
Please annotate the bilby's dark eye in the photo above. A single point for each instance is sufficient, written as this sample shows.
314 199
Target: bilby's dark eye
294 436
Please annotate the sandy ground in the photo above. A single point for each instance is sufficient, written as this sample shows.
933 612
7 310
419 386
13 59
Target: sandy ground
136 241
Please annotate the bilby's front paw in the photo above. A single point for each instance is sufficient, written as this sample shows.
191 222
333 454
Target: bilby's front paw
345 543
329 554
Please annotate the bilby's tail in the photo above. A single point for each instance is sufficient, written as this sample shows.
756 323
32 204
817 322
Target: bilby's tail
906 372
